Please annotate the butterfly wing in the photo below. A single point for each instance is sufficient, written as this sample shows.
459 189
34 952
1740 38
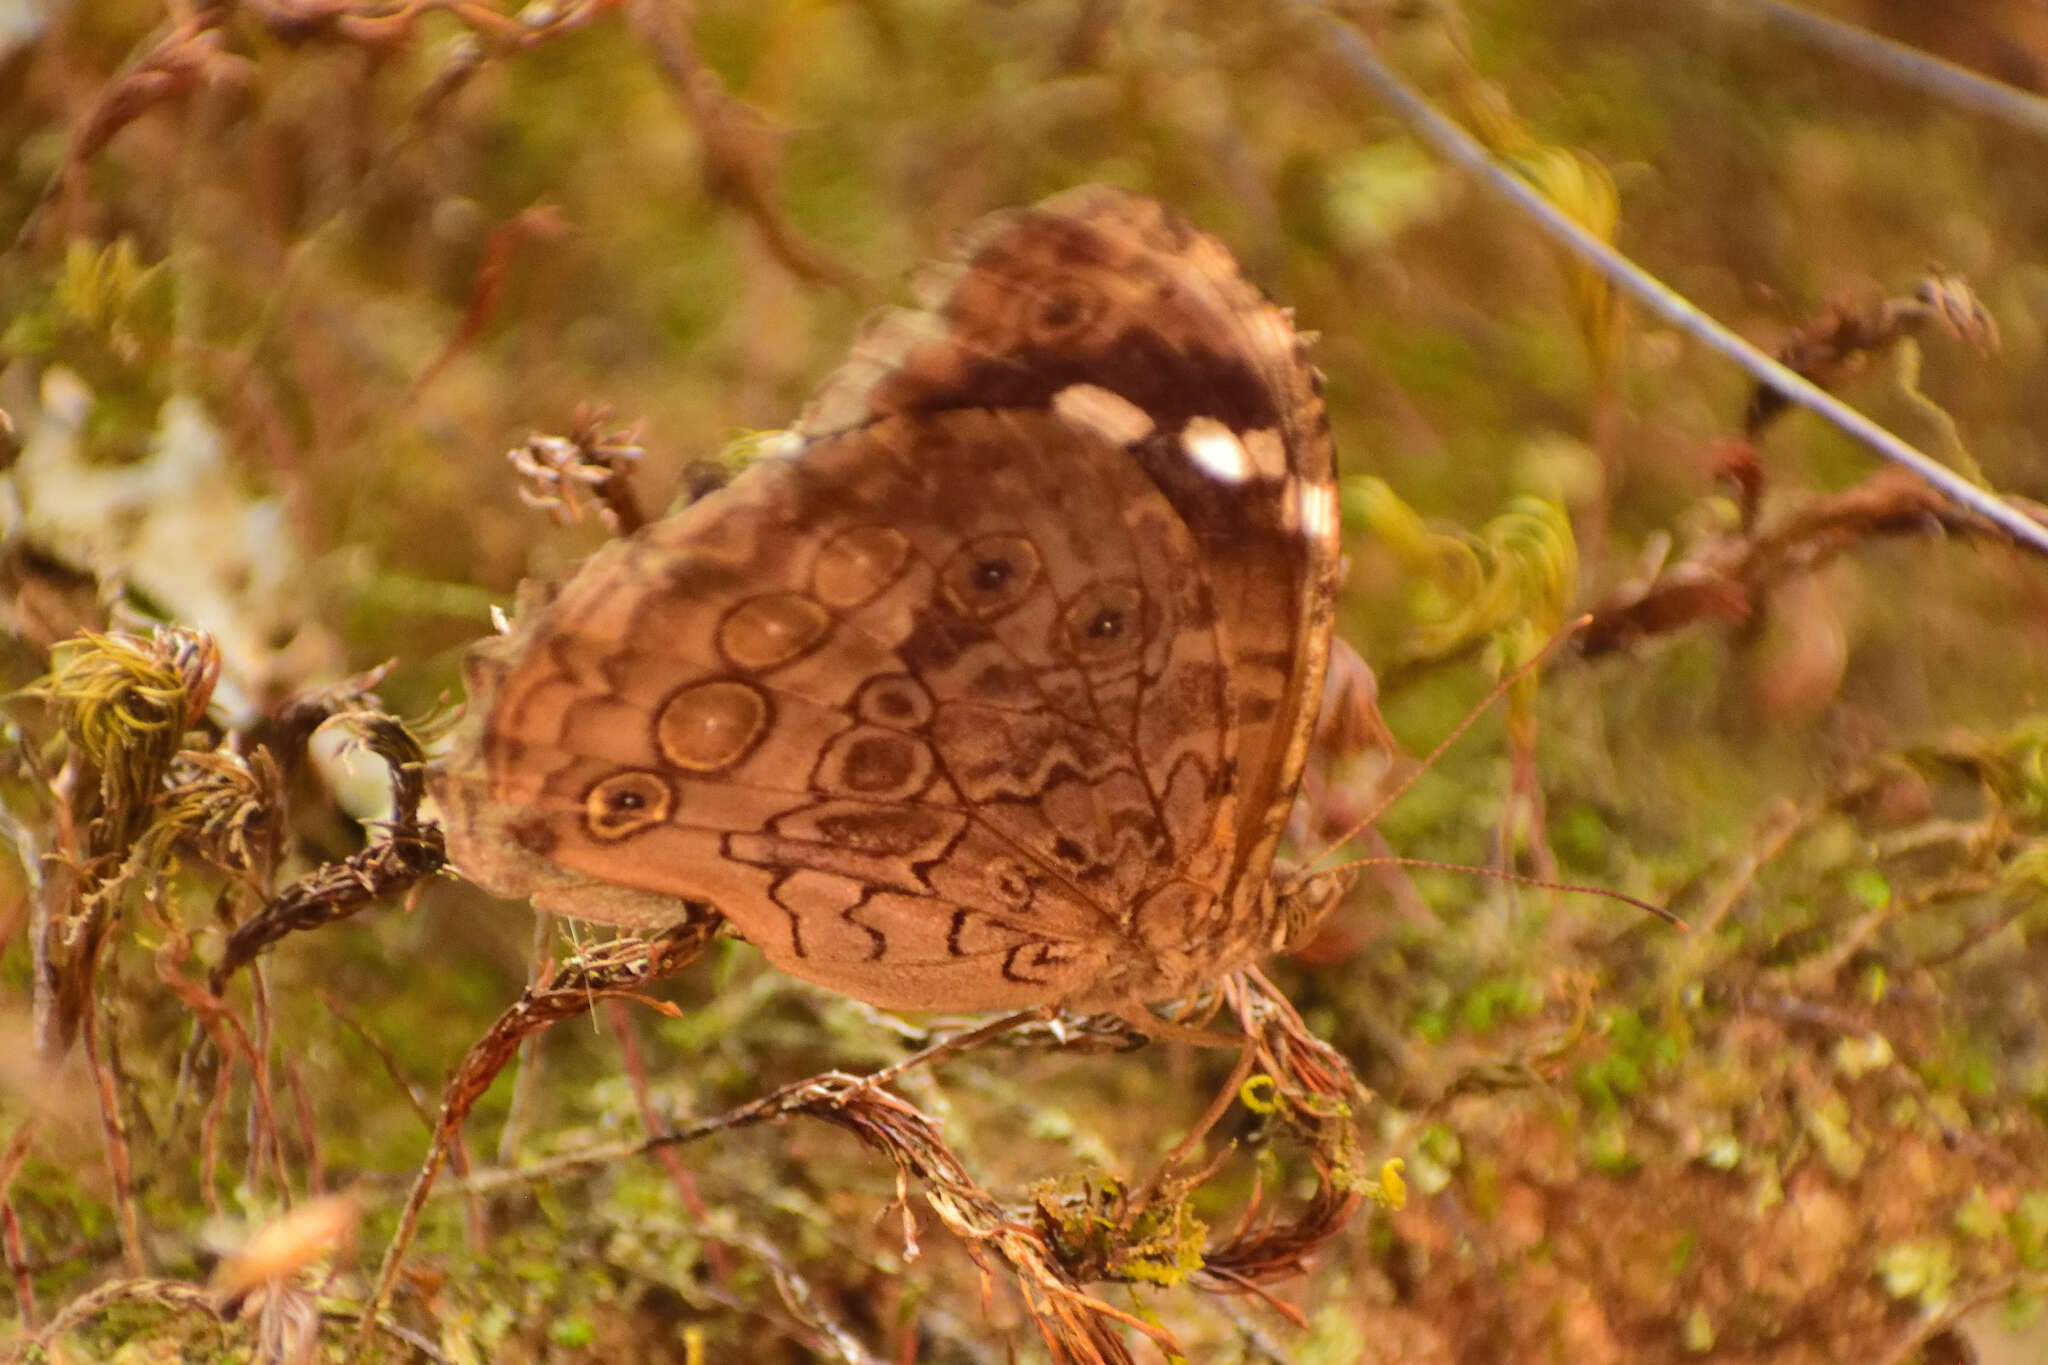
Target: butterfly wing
924 711
1103 306
995 693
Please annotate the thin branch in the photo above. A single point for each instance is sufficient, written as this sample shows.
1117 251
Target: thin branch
1456 145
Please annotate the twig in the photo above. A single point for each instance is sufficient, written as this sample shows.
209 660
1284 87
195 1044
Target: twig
392 1066
17 1151
397 1332
264 1137
526 1063
1073 1322
802 1302
1846 333
1458 146
539 223
231 1040
309 1128
1727 579
410 851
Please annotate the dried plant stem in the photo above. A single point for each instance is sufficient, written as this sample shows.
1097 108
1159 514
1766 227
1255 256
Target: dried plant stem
623 967
114 1128
209 1135
17 1151
173 1294
263 1138
1819 971
309 1130
476 1216
798 1097
1226 1097
741 153
537 223
17 1265
835 1338
231 1040
715 1252
526 1064
1727 578
1977 937
1073 1321
406 1089
389 867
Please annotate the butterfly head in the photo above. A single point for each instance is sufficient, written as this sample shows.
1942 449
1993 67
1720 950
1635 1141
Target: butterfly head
1301 899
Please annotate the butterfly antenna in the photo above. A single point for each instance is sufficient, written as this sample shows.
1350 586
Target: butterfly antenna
1485 704
1517 879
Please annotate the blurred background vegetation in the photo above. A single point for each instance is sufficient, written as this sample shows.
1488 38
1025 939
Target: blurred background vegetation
282 280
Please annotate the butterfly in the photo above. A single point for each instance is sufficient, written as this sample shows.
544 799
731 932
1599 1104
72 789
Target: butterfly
995 689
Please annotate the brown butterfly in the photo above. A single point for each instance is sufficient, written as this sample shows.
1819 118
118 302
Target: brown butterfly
996 692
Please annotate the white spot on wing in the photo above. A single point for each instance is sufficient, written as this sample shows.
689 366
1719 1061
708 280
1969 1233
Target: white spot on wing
1268 452
1215 450
1110 414
1318 510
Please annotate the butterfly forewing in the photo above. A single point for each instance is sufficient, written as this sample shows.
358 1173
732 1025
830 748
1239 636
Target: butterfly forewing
1101 304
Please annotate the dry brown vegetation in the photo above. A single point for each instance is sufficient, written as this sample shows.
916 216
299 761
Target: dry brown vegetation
288 278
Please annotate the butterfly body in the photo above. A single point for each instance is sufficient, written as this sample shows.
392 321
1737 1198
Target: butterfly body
997 690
